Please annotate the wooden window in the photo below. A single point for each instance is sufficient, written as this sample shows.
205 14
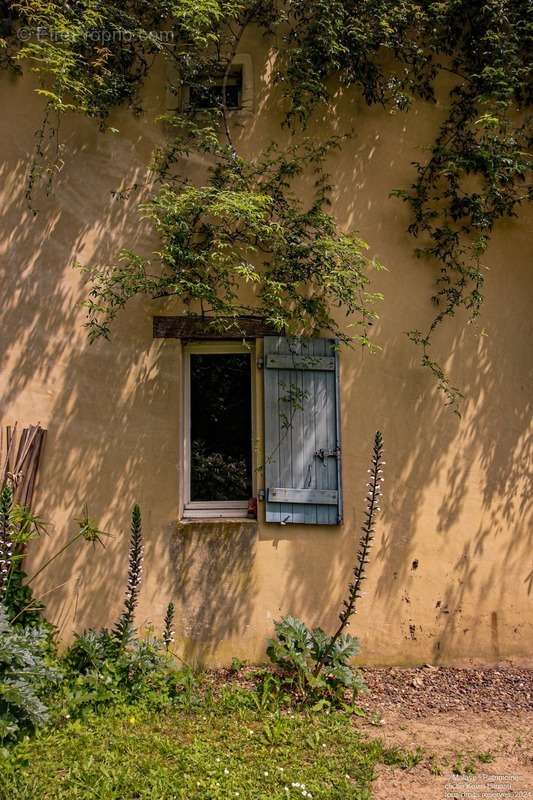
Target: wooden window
208 93
302 431
219 474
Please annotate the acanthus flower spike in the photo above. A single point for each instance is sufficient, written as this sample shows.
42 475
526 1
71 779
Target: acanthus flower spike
6 533
354 589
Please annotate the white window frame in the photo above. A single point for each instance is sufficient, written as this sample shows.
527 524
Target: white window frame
198 509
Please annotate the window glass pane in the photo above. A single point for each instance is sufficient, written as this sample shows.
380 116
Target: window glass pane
210 95
221 427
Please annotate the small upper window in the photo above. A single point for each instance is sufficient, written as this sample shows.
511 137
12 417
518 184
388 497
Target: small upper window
218 474
211 95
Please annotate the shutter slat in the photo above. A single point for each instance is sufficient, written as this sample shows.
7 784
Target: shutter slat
300 362
326 496
301 420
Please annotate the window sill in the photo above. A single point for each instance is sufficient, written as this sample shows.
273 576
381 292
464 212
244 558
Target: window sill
187 521
212 510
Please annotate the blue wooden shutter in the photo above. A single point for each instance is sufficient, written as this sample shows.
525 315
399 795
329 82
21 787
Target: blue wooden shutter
302 431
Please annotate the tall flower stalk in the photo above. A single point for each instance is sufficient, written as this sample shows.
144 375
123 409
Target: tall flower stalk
124 627
368 529
168 631
6 536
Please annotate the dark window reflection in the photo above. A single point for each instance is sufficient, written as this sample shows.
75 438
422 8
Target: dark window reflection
221 427
212 95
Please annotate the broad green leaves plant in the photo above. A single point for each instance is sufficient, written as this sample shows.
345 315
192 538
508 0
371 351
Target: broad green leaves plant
297 650
316 664
26 677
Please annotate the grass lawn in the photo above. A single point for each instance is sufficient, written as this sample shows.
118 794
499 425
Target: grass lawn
220 749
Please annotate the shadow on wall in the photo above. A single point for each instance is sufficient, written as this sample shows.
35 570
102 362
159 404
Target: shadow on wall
457 498
215 586
458 491
110 408
453 549
104 405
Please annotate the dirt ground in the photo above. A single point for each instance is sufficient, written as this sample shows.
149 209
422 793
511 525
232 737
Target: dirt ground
474 728
470 730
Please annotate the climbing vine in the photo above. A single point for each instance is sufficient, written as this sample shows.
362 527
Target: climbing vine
245 225
479 164
243 243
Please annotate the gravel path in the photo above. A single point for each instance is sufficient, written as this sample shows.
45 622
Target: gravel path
427 690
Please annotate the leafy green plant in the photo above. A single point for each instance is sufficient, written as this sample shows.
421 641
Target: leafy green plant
94 648
22 607
217 475
89 650
315 664
101 667
269 694
479 166
98 673
297 650
237 664
17 526
187 687
463 765
403 759
246 226
117 665
27 525
19 600
274 730
26 678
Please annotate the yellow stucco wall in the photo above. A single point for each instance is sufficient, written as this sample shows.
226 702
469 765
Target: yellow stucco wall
457 498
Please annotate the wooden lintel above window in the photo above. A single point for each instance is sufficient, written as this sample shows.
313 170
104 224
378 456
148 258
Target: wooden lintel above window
198 327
